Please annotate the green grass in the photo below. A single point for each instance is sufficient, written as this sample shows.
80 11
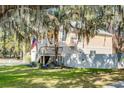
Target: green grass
27 77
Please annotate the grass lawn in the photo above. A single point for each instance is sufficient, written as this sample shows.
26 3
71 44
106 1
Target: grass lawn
27 77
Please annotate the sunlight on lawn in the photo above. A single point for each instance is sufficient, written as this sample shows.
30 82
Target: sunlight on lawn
23 76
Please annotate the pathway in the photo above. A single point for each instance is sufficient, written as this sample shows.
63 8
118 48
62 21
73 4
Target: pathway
12 62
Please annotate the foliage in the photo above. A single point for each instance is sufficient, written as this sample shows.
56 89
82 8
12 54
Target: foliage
18 25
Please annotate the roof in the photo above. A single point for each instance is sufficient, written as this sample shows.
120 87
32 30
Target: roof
99 31
103 32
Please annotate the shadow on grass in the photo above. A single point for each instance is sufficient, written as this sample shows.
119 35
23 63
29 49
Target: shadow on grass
26 77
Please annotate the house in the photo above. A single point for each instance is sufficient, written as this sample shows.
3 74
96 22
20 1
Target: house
97 53
100 43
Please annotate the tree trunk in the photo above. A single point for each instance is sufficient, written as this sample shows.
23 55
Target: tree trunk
120 44
4 48
56 42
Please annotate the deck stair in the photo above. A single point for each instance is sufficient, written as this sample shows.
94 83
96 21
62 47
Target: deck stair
44 51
